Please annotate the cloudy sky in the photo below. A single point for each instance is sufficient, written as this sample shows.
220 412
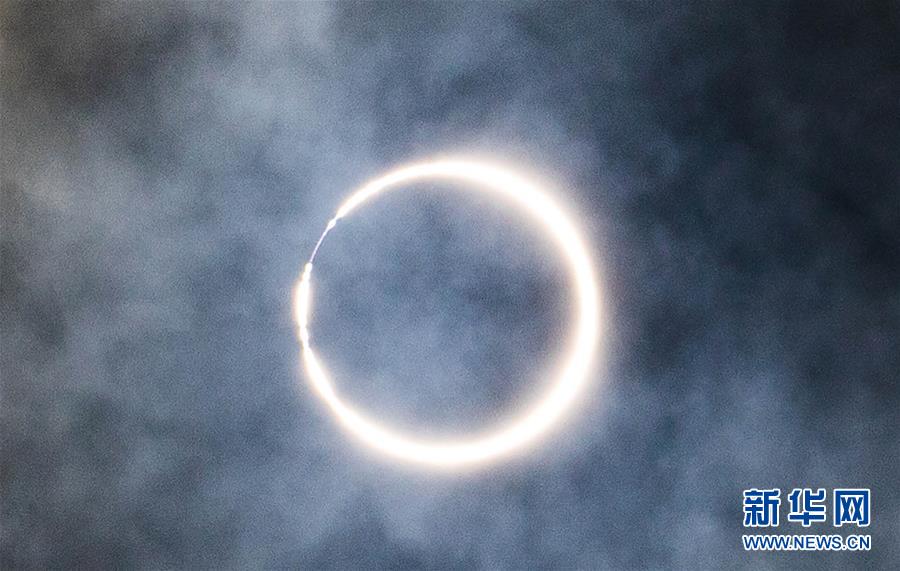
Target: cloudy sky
167 168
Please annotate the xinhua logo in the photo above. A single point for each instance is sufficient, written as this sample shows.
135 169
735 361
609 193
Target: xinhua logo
808 507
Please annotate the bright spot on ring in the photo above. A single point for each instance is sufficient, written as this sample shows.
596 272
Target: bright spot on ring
569 380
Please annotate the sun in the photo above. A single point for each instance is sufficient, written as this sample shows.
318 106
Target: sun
569 381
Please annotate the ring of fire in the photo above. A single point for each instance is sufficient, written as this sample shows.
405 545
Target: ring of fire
572 376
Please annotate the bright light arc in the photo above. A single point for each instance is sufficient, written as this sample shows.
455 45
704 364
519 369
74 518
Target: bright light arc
577 362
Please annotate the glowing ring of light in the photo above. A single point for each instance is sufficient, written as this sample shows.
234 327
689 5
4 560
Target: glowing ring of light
573 375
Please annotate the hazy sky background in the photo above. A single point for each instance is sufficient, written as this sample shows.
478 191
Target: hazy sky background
167 168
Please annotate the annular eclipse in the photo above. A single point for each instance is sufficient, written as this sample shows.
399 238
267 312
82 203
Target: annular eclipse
580 348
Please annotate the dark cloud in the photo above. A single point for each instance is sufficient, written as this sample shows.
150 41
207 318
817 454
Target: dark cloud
166 168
